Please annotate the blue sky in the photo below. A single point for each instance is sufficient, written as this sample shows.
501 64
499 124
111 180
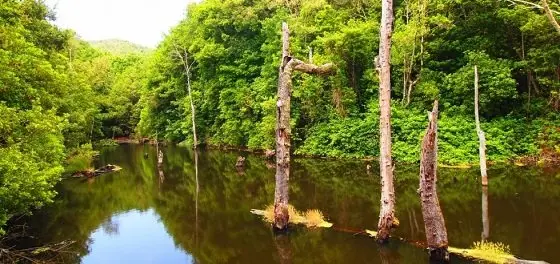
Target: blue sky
143 22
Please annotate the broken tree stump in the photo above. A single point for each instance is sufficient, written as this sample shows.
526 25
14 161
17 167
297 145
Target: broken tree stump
436 233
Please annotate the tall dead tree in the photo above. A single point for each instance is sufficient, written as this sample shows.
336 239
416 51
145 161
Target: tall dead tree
387 209
184 55
481 137
283 131
436 233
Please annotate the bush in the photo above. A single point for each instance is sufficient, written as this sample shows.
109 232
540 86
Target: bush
80 159
31 155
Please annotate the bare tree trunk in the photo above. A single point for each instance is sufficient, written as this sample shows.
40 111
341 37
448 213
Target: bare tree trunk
550 16
481 138
158 153
436 233
485 219
405 81
187 66
283 131
387 210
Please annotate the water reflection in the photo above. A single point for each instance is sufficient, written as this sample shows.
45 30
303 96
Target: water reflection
131 238
485 220
202 205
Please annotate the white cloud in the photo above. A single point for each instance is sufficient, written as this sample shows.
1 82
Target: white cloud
140 21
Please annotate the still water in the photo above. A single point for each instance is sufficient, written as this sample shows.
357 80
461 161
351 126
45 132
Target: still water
145 215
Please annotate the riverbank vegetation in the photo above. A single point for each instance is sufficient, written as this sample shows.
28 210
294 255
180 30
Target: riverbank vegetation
235 46
58 93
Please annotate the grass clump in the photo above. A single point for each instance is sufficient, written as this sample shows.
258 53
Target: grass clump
311 218
488 251
315 218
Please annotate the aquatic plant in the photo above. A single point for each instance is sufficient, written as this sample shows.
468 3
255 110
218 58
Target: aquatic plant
493 252
311 218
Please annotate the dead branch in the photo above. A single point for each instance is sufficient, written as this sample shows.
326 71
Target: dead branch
550 16
325 69
527 3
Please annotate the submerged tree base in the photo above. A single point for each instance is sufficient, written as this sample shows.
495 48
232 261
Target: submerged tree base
311 218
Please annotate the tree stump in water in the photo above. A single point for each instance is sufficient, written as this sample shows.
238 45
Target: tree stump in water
436 233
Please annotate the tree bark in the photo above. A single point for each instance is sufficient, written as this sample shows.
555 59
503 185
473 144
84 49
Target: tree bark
481 137
387 209
436 233
283 130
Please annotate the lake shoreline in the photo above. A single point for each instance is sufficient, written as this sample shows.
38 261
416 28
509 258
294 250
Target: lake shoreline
541 161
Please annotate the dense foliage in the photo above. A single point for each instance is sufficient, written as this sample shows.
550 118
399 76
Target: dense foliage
59 94
235 46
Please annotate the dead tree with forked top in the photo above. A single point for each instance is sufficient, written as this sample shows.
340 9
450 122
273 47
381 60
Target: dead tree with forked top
283 131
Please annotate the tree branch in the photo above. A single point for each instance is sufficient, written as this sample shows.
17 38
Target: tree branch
550 16
534 5
325 69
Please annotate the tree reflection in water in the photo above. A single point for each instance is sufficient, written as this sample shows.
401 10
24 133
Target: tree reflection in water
220 228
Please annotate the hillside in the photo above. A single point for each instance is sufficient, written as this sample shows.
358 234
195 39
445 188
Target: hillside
117 46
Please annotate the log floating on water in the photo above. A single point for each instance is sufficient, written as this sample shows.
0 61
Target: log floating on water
94 173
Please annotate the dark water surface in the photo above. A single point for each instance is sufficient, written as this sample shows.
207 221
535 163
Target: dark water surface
137 215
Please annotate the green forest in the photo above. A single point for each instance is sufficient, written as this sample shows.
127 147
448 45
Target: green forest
61 96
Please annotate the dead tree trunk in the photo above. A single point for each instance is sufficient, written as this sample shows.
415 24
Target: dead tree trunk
481 137
185 60
159 153
387 210
436 233
283 130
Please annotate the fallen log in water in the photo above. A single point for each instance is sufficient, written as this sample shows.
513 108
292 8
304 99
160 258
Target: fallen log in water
94 173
